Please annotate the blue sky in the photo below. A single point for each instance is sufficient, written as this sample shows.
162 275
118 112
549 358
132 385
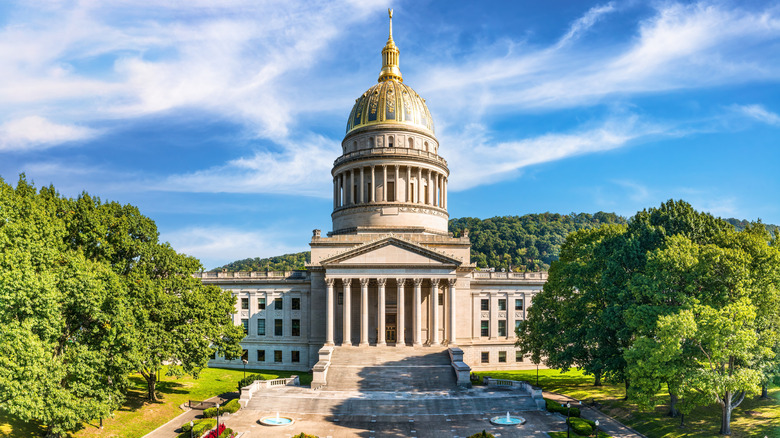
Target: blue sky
221 120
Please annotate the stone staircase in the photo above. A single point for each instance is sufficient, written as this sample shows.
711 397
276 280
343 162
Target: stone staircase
404 369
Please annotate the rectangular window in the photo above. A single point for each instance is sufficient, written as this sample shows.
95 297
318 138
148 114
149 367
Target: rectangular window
485 305
245 323
261 355
441 299
485 328
277 355
517 325
502 304
244 303
278 327
485 357
519 356
519 304
390 191
296 356
296 327
261 304
296 304
278 305
502 356
501 327
261 327
341 298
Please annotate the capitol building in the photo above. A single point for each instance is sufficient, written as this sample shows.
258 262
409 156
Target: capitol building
389 274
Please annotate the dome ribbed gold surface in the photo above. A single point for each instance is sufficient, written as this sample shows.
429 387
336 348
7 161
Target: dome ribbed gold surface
390 101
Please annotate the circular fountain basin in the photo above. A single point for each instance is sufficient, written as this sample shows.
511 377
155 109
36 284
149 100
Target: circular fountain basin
503 420
276 421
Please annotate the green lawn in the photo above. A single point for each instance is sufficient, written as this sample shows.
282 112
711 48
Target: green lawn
753 418
139 417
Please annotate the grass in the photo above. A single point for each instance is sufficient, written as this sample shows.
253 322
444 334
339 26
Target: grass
138 417
753 418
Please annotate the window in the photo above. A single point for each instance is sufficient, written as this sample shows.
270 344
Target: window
245 355
391 191
278 305
485 305
485 357
277 355
390 141
261 327
296 327
502 304
371 142
519 356
296 356
501 327
485 328
278 327
519 304
517 325
367 194
502 356
296 304
245 323
441 299
245 303
261 355
411 143
261 304
426 146
341 298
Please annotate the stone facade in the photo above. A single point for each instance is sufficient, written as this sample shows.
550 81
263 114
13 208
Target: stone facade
389 273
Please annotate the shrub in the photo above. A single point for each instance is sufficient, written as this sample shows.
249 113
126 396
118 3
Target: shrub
231 407
199 428
305 435
581 426
227 433
216 433
246 381
554 406
482 434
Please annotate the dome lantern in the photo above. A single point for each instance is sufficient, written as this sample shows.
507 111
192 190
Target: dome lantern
390 68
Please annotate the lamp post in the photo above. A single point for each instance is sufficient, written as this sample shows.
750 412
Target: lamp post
217 417
192 424
245 361
568 413
597 428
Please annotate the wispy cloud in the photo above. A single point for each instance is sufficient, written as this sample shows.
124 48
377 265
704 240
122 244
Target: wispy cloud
585 22
35 132
758 112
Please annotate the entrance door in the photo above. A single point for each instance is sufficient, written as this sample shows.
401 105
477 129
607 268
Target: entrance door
390 329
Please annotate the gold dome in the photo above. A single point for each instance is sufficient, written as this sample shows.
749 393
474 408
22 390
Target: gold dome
390 101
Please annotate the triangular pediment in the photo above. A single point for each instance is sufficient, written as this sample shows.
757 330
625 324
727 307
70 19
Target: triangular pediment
391 251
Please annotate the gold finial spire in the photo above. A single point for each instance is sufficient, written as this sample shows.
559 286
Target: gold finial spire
390 69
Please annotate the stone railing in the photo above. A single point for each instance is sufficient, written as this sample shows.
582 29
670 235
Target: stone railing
533 391
462 371
249 391
254 274
320 369
511 275
390 152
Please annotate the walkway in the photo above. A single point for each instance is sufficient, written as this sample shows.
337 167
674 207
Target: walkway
606 423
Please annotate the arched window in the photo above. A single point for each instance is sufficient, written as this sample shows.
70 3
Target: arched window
411 142
425 148
390 141
370 142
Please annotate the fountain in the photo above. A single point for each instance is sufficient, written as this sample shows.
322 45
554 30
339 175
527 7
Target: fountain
507 420
276 421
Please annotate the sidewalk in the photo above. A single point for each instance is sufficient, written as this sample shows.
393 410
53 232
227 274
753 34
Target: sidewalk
606 423
168 430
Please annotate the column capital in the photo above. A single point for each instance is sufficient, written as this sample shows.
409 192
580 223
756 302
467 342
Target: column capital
382 281
417 281
452 281
330 281
435 282
400 281
346 281
364 282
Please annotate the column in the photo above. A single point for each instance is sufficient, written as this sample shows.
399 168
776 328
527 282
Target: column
419 186
380 329
335 197
397 184
364 312
434 338
347 312
329 312
351 186
400 316
338 188
436 190
430 187
373 186
384 183
408 184
417 311
445 193
361 198
451 302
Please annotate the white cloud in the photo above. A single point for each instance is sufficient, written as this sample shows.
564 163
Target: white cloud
35 132
759 113
216 246
585 22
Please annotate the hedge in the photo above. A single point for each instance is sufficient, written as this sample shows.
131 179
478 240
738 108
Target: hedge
199 428
246 381
582 427
554 406
231 407
482 434
305 435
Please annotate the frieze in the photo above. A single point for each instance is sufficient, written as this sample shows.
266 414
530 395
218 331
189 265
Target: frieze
377 208
518 314
245 314
501 315
485 315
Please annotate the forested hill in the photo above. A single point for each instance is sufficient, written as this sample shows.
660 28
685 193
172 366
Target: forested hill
530 242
